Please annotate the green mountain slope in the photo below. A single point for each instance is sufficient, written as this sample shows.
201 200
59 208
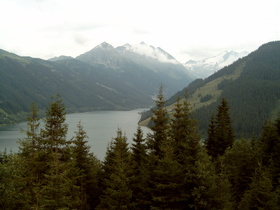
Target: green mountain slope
251 85
83 87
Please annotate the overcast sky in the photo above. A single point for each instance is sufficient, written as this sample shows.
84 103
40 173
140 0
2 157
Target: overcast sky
187 29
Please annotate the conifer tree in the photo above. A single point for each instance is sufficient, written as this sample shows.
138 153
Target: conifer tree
260 194
240 164
13 184
211 141
87 167
55 128
204 194
139 173
32 160
270 148
117 193
186 143
159 125
155 140
223 194
220 131
60 189
166 180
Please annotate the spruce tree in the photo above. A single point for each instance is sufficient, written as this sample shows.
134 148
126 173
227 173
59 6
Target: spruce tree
211 141
220 131
223 194
159 125
32 160
117 193
166 180
186 145
270 148
88 168
60 189
14 192
139 174
55 128
155 140
261 194
240 164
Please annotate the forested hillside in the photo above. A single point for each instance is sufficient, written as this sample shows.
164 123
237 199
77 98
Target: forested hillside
170 168
251 85
84 86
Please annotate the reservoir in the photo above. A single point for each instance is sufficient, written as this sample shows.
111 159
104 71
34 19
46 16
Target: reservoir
100 126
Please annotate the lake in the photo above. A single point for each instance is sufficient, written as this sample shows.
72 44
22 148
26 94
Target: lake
100 126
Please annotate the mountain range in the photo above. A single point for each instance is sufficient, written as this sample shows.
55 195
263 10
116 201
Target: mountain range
251 85
104 78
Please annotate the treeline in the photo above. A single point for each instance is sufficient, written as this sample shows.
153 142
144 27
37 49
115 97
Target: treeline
170 168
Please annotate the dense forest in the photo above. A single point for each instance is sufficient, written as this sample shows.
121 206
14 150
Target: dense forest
170 168
250 85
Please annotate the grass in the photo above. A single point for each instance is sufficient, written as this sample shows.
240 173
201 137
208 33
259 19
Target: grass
210 88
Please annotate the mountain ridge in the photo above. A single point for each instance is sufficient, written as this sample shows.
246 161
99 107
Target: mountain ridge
251 85
128 58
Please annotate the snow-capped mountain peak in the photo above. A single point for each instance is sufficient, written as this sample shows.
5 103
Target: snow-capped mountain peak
105 45
150 51
206 67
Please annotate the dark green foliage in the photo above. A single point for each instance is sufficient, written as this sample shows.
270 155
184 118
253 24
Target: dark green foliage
159 125
166 180
174 172
224 84
117 193
205 98
220 132
186 145
55 130
260 194
184 132
253 96
24 80
33 160
139 174
59 189
87 169
240 164
270 149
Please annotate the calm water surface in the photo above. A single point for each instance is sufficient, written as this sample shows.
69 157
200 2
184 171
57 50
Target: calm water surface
100 126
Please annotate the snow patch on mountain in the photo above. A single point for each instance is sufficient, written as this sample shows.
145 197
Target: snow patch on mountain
206 67
151 51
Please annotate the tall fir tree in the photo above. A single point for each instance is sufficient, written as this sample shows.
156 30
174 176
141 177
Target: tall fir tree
186 143
32 159
220 131
117 192
55 128
240 164
60 189
88 168
155 140
139 173
270 148
159 126
211 141
166 180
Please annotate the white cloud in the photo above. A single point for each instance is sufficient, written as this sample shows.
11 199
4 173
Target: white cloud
40 28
